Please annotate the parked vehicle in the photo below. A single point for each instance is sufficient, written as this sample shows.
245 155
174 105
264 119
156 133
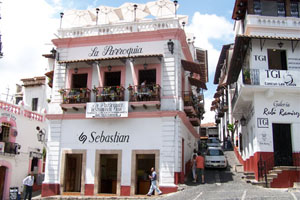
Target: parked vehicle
213 142
215 158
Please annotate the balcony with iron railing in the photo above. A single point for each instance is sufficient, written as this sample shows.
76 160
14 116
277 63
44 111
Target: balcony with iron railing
75 95
193 107
120 28
9 148
109 93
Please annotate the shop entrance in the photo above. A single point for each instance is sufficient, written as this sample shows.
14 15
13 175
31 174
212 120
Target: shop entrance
73 172
108 172
282 144
2 180
144 162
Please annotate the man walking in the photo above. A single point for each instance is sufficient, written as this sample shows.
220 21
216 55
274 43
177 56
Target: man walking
28 182
200 167
153 186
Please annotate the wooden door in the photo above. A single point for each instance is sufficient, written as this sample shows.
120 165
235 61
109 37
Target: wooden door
2 180
70 174
282 144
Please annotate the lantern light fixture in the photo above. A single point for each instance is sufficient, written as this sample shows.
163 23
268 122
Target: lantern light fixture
171 46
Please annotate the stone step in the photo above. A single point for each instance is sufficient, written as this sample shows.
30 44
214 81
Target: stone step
249 173
259 183
275 171
286 167
297 185
239 168
272 175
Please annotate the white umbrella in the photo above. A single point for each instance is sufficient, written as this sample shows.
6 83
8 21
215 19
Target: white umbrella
77 18
126 11
161 8
107 15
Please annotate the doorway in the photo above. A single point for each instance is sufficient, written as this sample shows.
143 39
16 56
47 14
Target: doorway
147 75
112 79
72 175
79 81
2 180
144 162
282 144
108 172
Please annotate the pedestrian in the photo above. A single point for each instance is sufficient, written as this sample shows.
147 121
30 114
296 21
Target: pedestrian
28 183
200 167
153 178
194 168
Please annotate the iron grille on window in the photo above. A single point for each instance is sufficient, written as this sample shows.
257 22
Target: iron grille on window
294 9
281 9
257 7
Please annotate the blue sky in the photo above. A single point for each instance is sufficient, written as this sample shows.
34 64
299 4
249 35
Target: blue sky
27 28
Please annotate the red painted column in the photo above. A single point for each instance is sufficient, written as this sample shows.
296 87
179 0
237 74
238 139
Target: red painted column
125 190
50 189
89 189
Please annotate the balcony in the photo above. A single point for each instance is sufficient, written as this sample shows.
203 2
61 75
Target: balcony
272 78
120 28
9 148
193 107
109 93
276 24
75 95
144 95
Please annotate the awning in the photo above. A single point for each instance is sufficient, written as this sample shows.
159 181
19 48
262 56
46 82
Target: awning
193 67
109 58
49 74
197 83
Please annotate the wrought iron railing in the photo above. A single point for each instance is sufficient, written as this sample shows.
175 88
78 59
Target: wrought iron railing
149 92
109 93
75 95
10 148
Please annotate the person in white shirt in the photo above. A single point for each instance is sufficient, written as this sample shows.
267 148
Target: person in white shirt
153 186
28 182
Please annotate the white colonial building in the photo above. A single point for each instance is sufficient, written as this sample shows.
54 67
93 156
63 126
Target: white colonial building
259 86
20 151
127 96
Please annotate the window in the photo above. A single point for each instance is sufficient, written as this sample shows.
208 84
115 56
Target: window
4 134
295 9
277 59
257 7
18 99
281 8
215 152
34 104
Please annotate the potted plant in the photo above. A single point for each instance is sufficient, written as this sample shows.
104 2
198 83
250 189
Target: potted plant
246 75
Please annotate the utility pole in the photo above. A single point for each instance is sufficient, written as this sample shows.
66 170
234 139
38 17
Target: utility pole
1 53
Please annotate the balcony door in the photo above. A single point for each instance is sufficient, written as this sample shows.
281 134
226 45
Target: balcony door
112 78
277 59
147 75
282 144
4 132
79 81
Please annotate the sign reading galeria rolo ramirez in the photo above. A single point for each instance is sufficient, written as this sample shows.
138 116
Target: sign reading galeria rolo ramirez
107 109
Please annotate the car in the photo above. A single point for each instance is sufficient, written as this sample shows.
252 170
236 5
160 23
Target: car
215 158
213 142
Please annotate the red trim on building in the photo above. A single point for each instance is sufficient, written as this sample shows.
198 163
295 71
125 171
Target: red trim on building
286 179
176 177
89 189
167 190
50 189
125 190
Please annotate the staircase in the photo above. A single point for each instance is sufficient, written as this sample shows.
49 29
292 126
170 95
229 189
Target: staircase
278 177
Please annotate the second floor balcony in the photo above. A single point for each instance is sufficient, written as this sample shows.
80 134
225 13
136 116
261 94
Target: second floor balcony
9 148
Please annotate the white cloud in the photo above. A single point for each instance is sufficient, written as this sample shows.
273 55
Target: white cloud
26 30
208 28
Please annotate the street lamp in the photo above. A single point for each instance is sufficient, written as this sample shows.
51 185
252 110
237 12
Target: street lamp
243 121
41 135
175 4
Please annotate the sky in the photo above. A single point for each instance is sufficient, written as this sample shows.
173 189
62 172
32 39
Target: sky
28 26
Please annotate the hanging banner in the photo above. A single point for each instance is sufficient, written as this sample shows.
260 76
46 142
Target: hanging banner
107 109
284 78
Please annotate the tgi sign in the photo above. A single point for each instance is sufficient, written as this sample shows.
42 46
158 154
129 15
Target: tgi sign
284 78
262 122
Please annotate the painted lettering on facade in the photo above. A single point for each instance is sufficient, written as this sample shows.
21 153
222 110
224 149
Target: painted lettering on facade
95 137
9 116
262 58
280 78
281 108
115 51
